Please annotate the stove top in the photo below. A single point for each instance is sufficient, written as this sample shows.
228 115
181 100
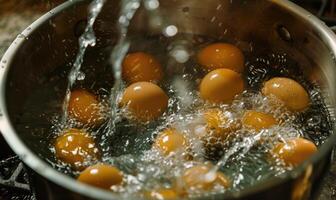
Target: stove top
14 179
14 17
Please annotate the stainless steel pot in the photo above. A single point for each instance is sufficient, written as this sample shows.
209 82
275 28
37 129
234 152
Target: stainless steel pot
271 25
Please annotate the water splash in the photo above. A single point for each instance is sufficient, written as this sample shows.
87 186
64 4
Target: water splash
239 147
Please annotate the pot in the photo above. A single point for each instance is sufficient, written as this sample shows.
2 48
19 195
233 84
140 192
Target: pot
51 41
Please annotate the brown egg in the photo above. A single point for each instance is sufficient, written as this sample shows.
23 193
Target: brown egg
198 177
162 194
145 101
295 151
221 55
84 107
221 86
170 141
218 124
101 175
258 120
75 147
290 92
141 66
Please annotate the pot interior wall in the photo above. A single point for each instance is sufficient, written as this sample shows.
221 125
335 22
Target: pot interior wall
39 70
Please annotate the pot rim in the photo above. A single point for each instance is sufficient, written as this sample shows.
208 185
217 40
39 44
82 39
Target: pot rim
44 169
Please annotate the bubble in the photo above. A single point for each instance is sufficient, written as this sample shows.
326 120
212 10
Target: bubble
152 4
170 31
80 76
180 55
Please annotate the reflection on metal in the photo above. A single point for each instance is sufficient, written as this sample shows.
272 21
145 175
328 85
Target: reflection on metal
314 47
302 186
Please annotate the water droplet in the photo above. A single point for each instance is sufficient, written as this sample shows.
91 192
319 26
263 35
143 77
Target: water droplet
152 4
122 19
180 55
213 19
80 76
170 31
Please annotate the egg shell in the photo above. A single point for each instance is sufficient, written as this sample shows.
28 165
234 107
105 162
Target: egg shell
84 107
218 124
101 176
75 147
140 66
162 194
221 55
145 101
196 177
258 120
295 151
169 141
221 86
290 92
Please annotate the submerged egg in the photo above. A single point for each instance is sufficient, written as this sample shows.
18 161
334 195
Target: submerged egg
170 141
101 175
221 55
85 107
221 86
145 101
258 120
162 194
76 147
295 151
290 92
201 177
218 124
141 66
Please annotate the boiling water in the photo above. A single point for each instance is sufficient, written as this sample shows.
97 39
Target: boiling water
244 157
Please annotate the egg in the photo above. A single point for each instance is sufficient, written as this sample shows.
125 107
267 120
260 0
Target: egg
170 141
162 194
84 107
221 86
101 176
290 92
258 120
141 66
201 177
221 55
145 101
75 147
294 151
218 124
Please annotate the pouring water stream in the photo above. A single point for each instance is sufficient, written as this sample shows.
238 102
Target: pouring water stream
88 38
